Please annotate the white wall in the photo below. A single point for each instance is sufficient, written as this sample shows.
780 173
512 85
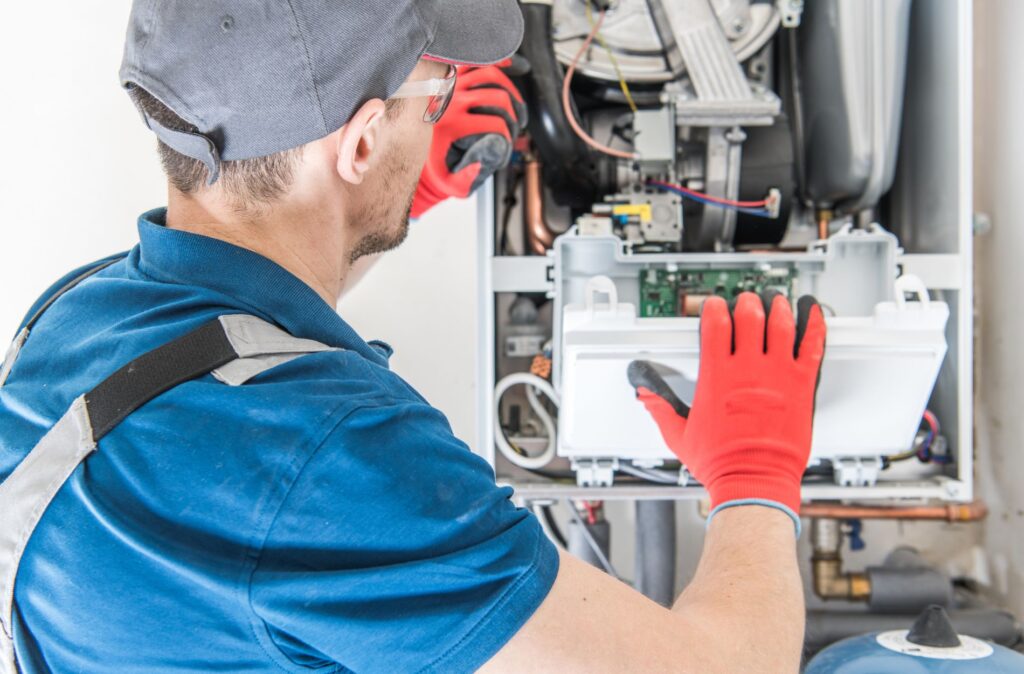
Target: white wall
78 167
422 300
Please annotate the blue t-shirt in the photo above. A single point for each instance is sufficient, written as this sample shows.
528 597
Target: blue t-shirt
320 517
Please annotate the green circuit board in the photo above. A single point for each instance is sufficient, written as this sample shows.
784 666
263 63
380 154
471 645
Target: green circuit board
666 292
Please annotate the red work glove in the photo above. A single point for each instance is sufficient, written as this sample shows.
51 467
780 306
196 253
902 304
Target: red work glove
747 436
474 138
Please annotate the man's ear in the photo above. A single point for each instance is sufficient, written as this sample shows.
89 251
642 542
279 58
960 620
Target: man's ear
358 140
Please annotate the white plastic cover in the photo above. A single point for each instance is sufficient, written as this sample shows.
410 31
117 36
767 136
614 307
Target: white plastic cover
876 379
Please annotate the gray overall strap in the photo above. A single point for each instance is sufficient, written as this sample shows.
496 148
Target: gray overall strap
233 348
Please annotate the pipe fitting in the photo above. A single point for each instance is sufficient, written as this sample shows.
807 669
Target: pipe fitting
829 581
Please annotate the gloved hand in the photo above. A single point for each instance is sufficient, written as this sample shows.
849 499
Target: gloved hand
474 138
747 435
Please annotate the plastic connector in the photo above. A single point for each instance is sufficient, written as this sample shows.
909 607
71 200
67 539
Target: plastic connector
773 203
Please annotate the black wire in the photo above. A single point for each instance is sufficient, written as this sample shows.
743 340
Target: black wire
556 533
796 99
552 474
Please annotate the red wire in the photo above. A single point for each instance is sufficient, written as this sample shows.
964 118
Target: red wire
567 103
591 512
932 421
717 200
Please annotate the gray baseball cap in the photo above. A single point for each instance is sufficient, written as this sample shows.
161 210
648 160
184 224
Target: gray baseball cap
256 77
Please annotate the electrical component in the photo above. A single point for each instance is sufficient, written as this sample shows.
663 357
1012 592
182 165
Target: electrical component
645 217
681 293
879 367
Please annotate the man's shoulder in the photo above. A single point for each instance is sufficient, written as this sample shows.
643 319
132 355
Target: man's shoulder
325 378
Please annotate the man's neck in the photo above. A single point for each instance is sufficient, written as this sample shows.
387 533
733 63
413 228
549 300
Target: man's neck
307 242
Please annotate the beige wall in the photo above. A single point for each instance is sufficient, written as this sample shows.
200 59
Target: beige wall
999 182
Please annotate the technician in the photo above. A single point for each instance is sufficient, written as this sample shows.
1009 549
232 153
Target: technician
206 469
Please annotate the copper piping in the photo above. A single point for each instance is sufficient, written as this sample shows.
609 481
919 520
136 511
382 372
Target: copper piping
539 236
950 512
824 218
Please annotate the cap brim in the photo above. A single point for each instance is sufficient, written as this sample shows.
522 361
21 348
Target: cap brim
476 32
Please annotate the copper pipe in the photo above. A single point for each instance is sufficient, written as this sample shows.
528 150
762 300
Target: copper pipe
950 512
824 218
539 236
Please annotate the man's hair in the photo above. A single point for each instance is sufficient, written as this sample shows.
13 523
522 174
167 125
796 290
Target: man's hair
250 182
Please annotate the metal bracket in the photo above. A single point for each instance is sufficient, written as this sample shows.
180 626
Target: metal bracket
791 12
696 44
722 176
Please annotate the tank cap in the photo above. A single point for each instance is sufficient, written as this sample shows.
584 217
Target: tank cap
932 628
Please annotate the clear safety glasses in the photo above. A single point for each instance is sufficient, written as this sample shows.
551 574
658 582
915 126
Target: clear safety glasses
439 90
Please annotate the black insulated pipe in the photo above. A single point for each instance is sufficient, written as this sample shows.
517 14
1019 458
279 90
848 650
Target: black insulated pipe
568 162
905 584
656 550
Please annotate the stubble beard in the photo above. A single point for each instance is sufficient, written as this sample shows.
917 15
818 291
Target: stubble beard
388 213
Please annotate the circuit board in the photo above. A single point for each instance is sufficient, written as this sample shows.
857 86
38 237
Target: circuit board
665 292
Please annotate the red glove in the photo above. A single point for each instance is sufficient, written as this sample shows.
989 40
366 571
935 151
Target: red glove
474 138
747 436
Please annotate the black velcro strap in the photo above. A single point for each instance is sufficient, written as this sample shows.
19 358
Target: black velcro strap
192 355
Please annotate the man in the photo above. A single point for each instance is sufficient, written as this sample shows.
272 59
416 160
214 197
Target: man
316 513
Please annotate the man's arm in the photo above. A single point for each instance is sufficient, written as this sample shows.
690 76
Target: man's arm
746 438
743 611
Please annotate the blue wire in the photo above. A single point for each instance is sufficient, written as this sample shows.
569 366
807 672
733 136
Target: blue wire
759 212
925 452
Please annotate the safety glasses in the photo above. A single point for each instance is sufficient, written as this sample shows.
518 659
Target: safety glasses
439 90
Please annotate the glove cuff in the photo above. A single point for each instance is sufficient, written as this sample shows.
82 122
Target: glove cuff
761 502
773 490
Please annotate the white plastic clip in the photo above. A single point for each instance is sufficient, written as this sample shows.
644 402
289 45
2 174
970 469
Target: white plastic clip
913 285
601 285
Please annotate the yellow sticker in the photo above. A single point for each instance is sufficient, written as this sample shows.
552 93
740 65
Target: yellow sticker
643 211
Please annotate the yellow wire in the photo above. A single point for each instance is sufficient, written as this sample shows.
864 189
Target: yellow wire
615 62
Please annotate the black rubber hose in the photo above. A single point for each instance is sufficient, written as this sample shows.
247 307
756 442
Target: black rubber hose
556 533
569 165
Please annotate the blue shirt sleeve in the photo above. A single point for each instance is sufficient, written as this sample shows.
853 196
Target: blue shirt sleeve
395 551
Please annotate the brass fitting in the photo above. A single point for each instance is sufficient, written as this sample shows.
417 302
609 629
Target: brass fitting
828 579
831 583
